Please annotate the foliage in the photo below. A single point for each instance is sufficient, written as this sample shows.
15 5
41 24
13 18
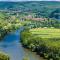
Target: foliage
47 23
7 24
35 8
4 56
45 41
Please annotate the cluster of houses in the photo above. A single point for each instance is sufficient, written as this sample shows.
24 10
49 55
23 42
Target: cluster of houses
32 18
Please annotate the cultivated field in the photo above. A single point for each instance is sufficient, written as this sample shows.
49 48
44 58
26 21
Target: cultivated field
50 36
46 32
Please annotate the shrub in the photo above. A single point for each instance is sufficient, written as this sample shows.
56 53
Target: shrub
3 56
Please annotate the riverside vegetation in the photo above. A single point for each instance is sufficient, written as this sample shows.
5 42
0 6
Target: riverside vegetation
8 23
4 56
43 40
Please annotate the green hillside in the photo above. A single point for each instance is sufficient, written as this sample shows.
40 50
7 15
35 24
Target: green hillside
44 9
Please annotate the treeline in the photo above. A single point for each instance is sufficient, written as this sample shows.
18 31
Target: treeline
49 48
8 23
48 23
35 8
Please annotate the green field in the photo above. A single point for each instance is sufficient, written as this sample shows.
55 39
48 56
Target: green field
45 41
46 32
50 36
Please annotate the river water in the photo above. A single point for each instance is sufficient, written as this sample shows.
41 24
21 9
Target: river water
14 49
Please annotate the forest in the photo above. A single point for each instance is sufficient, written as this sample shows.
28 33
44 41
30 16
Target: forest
49 9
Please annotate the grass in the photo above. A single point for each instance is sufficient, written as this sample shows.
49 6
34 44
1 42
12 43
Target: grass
46 32
45 41
50 36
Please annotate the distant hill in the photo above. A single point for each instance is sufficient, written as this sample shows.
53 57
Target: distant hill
39 8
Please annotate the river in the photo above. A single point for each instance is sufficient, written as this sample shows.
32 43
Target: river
14 49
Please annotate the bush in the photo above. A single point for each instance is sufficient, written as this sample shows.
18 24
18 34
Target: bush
4 56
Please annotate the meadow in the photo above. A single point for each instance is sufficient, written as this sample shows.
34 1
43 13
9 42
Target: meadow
44 41
46 32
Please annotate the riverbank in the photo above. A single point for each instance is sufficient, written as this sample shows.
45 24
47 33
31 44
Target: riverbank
44 41
11 46
8 23
7 27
